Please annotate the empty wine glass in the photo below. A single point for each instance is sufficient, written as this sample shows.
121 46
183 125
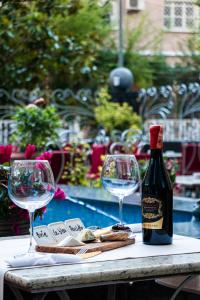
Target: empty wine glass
120 176
31 186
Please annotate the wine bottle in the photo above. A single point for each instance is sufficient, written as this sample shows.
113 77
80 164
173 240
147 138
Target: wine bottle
157 195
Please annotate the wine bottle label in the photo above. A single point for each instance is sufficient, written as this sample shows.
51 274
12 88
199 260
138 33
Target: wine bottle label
152 215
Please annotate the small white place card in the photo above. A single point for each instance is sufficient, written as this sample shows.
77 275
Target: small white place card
43 236
58 230
74 226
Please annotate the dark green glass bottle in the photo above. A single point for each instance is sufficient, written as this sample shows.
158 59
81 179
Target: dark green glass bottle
157 195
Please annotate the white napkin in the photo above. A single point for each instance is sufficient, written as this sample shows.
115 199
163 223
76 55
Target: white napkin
38 259
70 241
135 228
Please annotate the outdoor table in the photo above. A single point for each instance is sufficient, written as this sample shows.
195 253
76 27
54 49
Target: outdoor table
60 278
172 155
189 181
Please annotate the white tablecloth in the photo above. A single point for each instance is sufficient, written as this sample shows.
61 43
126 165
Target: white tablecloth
181 245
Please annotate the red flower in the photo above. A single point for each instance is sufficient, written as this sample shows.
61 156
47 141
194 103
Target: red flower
59 194
45 156
44 209
30 150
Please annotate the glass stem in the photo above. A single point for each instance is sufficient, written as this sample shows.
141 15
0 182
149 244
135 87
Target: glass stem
121 198
31 248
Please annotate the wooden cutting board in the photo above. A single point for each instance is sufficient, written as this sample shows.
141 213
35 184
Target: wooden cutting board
92 247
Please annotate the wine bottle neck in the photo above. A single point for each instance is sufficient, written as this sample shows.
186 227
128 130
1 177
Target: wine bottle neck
156 153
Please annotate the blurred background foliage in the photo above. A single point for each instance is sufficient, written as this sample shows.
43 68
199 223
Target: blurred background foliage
69 44
114 115
51 44
35 125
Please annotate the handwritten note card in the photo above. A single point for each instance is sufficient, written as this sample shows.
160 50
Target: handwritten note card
43 236
58 230
74 226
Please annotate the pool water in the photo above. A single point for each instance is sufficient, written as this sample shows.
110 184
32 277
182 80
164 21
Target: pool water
98 213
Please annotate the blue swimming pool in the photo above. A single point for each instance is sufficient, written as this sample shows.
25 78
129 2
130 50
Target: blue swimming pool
99 213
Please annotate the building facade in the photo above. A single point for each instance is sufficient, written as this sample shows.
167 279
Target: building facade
167 25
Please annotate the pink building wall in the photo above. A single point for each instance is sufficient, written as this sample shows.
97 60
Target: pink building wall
155 38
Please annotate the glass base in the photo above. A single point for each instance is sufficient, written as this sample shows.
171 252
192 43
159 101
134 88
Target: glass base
121 227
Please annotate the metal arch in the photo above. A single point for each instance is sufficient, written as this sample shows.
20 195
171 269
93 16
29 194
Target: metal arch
16 292
63 295
143 99
135 132
194 89
61 94
182 92
116 144
20 96
178 290
58 98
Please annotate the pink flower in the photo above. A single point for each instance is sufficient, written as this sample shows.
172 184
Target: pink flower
59 194
43 209
92 176
178 188
30 150
45 156
169 164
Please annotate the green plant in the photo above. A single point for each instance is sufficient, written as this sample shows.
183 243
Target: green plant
114 115
76 169
53 43
35 125
66 43
171 166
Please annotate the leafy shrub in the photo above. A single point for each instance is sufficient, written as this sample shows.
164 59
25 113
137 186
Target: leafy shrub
115 115
35 125
76 169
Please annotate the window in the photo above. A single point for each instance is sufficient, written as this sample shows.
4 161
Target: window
180 16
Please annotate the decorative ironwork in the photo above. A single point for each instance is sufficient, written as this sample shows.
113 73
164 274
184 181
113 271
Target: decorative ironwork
189 99
156 102
83 98
165 103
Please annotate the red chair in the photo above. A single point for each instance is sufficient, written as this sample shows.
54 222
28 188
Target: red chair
96 157
58 161
142 156
190 158
5 153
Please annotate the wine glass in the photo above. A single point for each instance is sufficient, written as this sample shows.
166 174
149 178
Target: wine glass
120 176
31 186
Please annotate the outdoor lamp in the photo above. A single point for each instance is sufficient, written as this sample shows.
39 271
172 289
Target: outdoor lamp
121 79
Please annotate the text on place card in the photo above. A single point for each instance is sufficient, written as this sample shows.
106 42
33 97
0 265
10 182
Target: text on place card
74 226
58 230
43 236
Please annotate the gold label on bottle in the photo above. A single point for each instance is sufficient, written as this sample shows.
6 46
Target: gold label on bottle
152 213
